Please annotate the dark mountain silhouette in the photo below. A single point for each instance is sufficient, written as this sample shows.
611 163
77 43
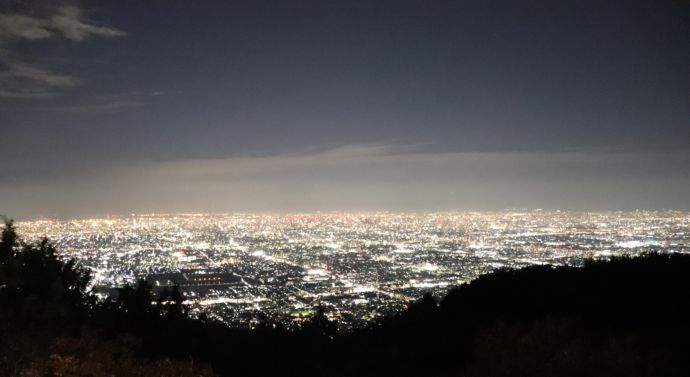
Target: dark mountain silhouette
621 317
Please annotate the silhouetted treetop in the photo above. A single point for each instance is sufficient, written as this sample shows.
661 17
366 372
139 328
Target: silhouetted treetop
36 287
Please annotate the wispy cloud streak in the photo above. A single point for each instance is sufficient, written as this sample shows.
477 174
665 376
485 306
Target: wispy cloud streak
24 80
66 20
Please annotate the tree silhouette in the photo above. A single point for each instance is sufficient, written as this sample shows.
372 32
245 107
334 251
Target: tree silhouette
171 303
320 325
37 287
41 296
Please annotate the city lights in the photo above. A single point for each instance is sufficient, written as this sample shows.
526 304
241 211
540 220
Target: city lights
356 266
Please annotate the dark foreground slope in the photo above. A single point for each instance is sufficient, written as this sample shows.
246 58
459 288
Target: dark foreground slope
624 317
627 317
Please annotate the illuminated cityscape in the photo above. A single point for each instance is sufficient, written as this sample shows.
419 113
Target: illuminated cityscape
245 268
344 188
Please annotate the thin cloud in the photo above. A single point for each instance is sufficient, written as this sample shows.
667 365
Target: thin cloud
17 26
19 79
107 103
93 108
69 21
23 80
24 71
66 20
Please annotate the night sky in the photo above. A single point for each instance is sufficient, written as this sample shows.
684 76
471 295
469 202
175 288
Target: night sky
122 106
